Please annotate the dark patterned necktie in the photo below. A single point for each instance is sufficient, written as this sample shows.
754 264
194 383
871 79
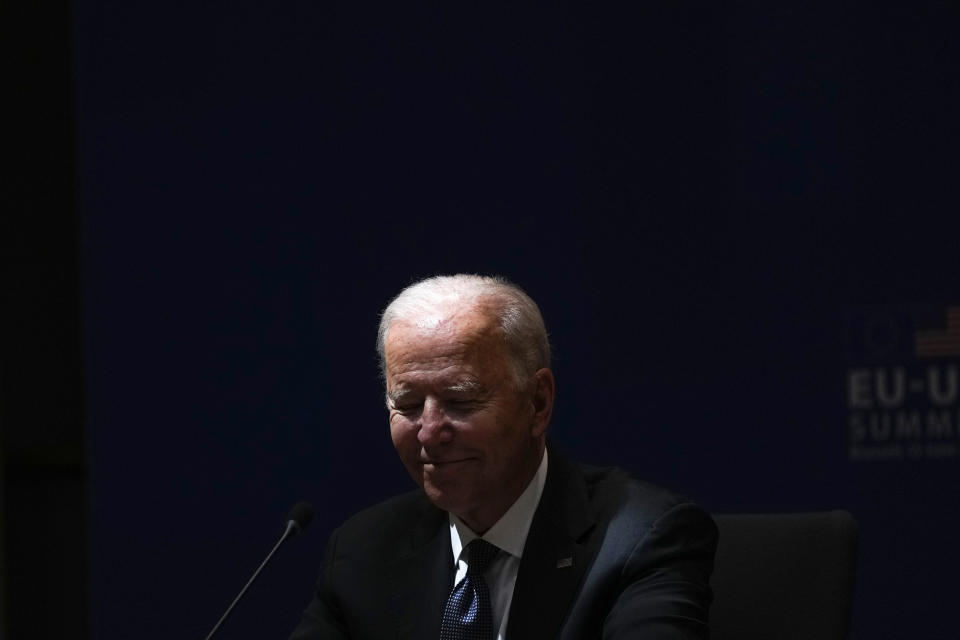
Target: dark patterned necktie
468 614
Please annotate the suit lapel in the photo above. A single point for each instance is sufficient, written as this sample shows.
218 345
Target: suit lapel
421 578
554 560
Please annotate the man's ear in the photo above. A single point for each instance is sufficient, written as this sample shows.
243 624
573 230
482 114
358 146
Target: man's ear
543 394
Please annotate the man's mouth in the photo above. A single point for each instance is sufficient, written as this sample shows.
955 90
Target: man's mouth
443 463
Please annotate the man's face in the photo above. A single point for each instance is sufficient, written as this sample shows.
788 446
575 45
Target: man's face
461 427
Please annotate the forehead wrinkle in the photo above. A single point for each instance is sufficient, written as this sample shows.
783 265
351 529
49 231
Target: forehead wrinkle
465 348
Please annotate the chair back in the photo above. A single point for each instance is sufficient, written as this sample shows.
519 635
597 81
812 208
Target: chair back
784 576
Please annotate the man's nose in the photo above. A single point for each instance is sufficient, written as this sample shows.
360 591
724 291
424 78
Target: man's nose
434 426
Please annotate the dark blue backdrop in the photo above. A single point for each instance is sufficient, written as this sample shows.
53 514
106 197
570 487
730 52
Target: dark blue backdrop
698 196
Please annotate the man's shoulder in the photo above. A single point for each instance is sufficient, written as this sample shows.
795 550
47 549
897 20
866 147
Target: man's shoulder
380 527
393 514
616 493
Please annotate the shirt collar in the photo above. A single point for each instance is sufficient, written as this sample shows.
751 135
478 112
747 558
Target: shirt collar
510 531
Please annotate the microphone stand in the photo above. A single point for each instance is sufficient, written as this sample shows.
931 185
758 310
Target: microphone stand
292 529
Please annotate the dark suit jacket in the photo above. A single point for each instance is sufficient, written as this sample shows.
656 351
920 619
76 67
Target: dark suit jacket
606 557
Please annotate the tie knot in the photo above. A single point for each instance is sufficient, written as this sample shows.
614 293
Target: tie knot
480 554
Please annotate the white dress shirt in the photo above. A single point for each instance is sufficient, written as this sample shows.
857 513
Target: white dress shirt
509 533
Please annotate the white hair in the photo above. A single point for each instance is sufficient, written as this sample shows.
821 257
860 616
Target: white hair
519 317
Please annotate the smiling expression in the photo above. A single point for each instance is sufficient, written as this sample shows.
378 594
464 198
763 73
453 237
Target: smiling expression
463 430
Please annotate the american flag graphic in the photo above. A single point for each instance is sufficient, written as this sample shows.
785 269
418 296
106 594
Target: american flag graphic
937 343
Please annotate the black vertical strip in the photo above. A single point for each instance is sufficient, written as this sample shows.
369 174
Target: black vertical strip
43 566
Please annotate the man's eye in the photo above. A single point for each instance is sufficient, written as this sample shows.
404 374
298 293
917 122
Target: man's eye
407 409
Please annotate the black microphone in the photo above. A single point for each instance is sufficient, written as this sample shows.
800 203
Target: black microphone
298 519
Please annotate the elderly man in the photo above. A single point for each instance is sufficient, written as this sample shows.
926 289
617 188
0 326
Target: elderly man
505 538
